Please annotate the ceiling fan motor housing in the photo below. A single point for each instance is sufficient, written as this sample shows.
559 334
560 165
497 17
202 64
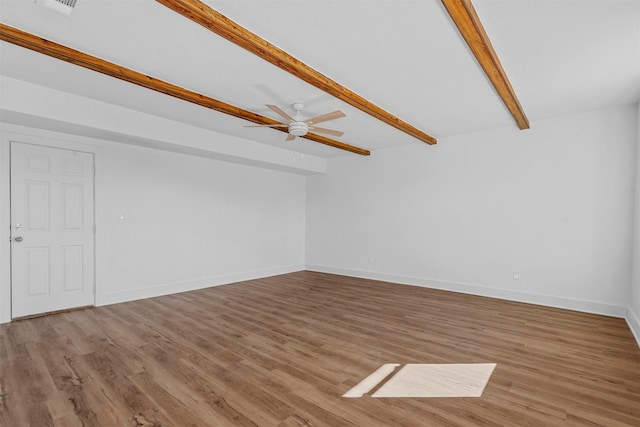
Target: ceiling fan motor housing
298 128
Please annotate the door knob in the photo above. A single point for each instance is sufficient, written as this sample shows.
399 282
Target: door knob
18 239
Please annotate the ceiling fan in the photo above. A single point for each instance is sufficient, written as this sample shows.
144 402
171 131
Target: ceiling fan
299 127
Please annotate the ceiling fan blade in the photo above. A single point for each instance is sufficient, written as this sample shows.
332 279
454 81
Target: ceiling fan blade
327 131
290 137
267 126
325 117
280 112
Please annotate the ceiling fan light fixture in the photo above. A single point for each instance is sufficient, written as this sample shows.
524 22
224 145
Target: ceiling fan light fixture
298 128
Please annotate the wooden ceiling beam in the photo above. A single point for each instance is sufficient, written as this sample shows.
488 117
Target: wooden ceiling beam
466 19
67 54
213 20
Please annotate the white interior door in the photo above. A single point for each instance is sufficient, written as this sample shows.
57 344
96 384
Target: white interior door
52 235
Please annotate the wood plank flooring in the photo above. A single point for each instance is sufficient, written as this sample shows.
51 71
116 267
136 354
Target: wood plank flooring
281 351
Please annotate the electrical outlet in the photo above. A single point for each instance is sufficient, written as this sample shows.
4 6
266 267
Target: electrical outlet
516 275
370 259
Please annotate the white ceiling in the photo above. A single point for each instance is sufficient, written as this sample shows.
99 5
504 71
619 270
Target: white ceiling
562 56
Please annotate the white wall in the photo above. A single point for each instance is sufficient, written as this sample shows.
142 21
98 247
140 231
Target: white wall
552 203
189 222
633 316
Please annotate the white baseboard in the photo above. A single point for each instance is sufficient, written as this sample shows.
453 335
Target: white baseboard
192 285
467 288
633 320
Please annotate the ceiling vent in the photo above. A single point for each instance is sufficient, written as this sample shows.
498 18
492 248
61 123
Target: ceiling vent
61 6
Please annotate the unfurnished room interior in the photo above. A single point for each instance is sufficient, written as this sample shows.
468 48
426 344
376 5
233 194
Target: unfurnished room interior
281 213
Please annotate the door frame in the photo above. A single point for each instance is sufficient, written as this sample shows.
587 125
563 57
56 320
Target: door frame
46 139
